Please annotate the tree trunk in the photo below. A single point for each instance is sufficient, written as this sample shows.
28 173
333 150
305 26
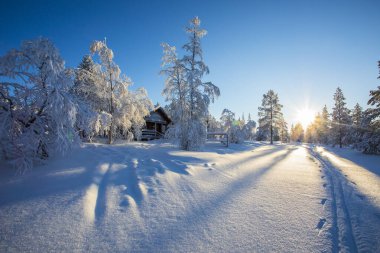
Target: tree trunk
110 135
111 109
271 125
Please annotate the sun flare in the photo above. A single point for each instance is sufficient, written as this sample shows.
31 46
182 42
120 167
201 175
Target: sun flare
305 116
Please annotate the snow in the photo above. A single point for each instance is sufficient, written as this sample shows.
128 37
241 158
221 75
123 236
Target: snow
353 179
152 197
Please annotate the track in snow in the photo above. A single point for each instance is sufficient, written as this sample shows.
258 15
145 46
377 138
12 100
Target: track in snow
353 229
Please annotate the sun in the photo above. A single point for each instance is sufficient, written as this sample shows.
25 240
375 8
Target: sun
305 116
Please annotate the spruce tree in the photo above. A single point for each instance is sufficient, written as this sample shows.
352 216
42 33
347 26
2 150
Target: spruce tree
356 130
323 129
340 118
371 122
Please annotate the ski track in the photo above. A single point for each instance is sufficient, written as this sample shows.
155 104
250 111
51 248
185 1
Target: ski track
154 198
347 230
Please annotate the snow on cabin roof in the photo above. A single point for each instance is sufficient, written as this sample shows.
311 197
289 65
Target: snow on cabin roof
161 112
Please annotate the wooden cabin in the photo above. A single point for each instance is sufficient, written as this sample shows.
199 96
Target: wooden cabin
156 124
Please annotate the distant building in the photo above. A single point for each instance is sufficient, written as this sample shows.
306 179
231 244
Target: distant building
156 124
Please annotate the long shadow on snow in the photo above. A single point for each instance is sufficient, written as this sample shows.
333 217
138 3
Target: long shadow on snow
76 175
131 176
262 153
50 179
234 148
204 211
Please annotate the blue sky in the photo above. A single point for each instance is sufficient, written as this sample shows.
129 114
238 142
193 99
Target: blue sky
301 49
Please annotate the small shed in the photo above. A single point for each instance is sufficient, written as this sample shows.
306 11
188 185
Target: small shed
156 124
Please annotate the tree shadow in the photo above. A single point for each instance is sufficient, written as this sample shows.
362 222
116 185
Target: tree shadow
220 148
203 211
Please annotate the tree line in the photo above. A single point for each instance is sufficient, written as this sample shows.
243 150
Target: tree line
354 127
357 128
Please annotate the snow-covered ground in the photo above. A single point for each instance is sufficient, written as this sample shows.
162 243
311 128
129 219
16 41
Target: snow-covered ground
151 197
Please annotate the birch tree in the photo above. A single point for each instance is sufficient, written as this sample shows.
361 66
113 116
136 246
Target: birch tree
126 109
37 113
200 94
189 96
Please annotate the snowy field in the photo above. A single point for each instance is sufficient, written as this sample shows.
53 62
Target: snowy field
151 197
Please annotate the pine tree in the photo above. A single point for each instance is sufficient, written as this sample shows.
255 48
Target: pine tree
269 116
340 118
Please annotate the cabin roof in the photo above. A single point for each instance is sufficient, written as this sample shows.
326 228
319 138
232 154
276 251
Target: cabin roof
159 110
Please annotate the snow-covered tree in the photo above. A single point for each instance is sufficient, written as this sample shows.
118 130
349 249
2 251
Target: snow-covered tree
37 113
127 109
131 109
176 87
213 125
87 78
371 122
250 129
340 119
323 126
189 96
297 133
283 133
200 94
270 116
90 94
227 119
175 91
356 130
234 128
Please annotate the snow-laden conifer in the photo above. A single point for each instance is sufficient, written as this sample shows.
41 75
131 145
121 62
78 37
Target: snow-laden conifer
340 119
